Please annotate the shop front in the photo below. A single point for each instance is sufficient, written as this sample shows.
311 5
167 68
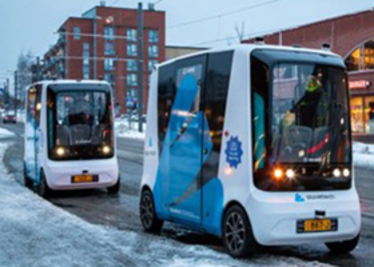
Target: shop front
362 105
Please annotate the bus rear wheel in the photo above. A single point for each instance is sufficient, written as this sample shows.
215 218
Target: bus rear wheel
148 215
237 237
113 190
43 189
343 247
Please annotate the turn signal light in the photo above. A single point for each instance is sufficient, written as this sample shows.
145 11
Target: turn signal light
278 174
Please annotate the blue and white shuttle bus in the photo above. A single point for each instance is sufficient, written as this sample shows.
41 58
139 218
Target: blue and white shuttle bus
252 144
69 137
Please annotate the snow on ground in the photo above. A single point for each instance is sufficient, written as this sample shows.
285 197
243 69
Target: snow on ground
5 133
363 155
123 129
36 233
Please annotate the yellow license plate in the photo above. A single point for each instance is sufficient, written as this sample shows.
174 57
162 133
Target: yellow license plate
84 178
317 225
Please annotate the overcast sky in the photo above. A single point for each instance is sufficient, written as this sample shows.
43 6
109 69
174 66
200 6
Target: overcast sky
30 24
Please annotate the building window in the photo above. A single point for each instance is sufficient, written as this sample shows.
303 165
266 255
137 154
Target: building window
132 79
109 77
131 35
151 64
131 50
132 93
86 61
109 48
153 36
77 33
109 64
132 65
153 51
108 33
362 58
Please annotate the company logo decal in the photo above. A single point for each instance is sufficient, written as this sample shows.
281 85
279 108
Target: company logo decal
299 198
234 152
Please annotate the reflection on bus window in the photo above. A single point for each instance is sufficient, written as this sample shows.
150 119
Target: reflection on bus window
310 115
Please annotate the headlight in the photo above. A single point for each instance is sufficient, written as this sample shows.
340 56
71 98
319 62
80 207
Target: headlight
337 173
106 149
346 172
60 151
290 174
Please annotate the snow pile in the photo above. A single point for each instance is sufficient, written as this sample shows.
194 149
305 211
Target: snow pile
5 133
36 233
363 155
123 130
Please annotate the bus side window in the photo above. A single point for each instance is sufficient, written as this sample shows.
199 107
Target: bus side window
259 131
38 104
217 85
166 95
259 87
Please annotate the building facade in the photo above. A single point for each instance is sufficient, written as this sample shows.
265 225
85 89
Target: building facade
103 44
352 37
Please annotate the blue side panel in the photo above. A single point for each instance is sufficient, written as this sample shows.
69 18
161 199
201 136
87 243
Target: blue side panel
187 158
213 206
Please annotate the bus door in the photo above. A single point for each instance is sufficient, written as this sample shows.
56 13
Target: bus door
214 106
183 144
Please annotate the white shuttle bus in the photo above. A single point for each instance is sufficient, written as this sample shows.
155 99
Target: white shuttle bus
69 137
252 144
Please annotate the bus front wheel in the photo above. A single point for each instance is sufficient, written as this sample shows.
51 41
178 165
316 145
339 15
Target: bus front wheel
237 237
343 247
43 189
148 215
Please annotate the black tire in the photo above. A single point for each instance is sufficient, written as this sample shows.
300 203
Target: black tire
113 190
43 189
238 238
147 212
343 247
27 181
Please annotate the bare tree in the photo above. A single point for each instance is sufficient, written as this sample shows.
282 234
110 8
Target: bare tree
24 74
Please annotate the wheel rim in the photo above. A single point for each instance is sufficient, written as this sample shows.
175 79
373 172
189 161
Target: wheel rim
235 232
146 211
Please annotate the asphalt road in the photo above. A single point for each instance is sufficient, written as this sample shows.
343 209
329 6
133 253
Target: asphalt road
121 211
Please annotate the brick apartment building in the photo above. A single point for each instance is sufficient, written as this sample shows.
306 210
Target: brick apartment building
352 37
102 44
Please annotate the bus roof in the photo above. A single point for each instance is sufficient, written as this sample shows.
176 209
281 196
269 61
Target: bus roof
88 82
249 48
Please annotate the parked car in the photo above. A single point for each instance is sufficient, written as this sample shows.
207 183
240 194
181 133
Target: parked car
9 117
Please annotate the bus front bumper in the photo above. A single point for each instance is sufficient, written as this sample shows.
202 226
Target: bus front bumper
276 217
60 175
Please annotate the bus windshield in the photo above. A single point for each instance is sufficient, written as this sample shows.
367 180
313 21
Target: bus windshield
310 115
301 125
79 124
